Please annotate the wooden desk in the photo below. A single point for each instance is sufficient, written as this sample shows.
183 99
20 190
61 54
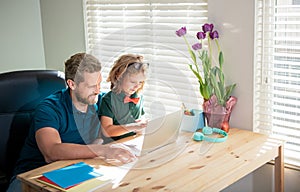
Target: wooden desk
201 166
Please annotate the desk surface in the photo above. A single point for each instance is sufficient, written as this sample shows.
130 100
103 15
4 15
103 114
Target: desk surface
201 166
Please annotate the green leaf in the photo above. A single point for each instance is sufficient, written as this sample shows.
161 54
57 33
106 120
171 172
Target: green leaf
204 91
221 77
221 59
229 90
217 90
193 56
196 74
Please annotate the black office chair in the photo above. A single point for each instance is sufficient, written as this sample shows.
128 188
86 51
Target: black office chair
21 91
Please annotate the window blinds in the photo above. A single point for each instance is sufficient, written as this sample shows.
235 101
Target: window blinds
115 27
277 74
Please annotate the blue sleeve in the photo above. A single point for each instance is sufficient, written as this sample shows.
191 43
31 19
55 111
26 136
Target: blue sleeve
46 116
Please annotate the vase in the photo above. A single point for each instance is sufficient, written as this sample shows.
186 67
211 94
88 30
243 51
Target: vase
218 120
216 115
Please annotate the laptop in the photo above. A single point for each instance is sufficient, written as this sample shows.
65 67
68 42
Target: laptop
161 131
159 144
159 139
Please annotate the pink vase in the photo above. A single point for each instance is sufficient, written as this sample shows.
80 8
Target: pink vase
216 115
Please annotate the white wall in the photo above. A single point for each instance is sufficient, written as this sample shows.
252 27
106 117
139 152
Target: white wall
235 21
39 34
21 42
63 30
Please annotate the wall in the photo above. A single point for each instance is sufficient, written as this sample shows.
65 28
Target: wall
21 42
63 30
235 22
39 34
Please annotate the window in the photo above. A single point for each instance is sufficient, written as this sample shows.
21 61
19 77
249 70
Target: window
148 28
277 74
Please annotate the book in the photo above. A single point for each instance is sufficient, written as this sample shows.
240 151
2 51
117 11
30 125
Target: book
88 185
67 177
45 180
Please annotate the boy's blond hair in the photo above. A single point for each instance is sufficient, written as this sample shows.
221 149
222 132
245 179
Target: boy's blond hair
127 64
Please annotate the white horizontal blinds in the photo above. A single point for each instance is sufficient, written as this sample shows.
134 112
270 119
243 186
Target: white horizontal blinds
263 90
172 83
113 27
287 78
148 28
281 116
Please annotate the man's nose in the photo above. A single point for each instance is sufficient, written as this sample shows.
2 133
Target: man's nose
97 90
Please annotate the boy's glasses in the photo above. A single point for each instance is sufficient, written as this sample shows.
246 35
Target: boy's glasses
137 65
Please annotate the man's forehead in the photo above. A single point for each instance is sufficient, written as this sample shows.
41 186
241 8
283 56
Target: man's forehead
92 78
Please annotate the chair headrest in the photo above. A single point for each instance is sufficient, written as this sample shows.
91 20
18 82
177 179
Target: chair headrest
26 88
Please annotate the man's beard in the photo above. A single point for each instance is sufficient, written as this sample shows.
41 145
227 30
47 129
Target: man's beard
86 100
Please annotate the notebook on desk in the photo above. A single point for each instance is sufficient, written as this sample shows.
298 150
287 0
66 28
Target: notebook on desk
161 133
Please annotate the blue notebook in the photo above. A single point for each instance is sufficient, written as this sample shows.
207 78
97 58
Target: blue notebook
72 175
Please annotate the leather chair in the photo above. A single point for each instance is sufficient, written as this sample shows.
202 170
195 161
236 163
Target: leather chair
21 91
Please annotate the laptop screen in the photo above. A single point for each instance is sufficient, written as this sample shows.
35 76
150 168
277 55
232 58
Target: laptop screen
162 131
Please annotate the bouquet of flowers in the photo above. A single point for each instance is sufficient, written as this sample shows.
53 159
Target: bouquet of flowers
217 96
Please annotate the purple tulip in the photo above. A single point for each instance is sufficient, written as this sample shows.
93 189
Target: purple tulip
181 32
214 34
197 46
207 27
201 35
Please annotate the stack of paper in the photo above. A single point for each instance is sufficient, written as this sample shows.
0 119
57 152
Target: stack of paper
73 175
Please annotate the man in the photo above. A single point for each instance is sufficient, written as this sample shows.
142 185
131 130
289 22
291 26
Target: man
66 124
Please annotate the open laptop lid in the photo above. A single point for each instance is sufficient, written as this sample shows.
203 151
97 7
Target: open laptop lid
162 131
160 142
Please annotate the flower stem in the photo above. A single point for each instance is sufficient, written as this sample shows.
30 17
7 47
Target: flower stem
187 43
210 49
192 54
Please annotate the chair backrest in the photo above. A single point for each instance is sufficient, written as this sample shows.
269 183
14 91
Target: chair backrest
21 91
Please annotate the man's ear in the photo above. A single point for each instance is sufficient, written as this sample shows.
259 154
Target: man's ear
71 84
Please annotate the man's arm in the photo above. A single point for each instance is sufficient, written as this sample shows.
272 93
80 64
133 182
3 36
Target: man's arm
52 148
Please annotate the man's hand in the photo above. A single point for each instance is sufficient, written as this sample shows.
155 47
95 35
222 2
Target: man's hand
118 154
